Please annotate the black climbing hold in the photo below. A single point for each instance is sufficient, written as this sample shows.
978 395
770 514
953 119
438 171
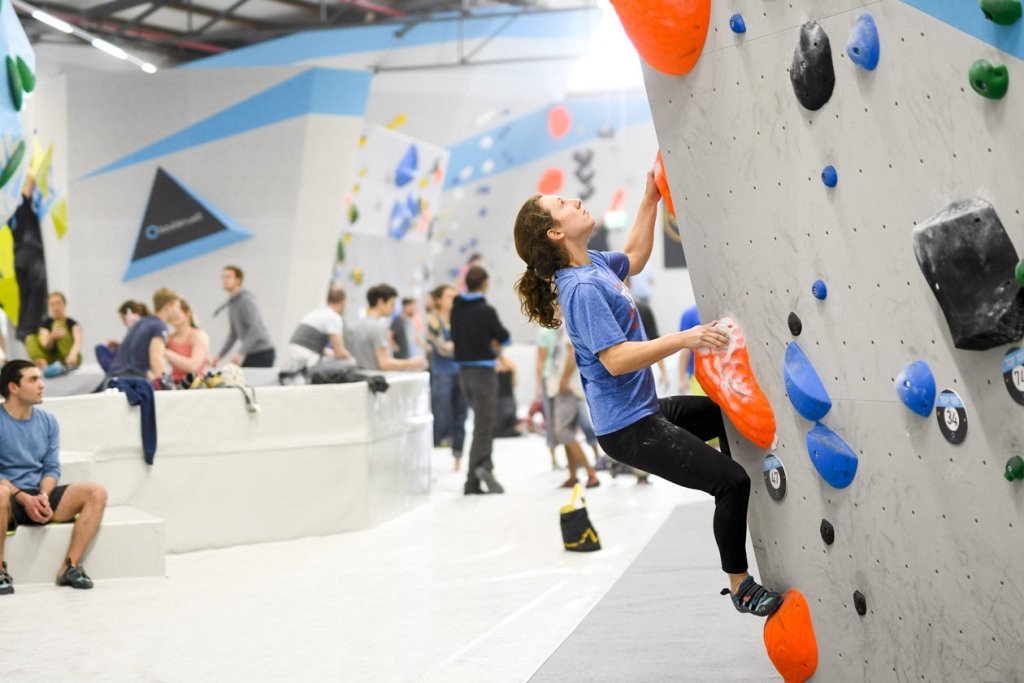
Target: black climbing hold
860 603
967 258
774 476
795 326
737 24
830 176
1014 468
828 533
952 416
1004 12
1013 373
819 290
812 74
989 80
863 47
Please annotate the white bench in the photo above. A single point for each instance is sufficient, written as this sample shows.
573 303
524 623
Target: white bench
129 544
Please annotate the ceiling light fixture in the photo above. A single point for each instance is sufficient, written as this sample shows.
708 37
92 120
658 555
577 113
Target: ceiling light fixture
97 42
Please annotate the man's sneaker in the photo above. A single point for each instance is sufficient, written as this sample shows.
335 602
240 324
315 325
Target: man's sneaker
485 475
753 598
6 582
74 575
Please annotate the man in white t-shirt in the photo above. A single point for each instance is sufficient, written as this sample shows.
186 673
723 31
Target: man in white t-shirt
564 391
319 336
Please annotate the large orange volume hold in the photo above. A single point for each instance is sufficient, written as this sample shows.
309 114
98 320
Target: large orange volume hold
789 639
668 34
727 378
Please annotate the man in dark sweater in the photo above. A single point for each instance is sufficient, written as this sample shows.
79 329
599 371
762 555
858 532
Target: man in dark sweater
478 335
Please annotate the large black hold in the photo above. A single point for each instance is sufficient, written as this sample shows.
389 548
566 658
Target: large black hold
812 74
828 532
968 260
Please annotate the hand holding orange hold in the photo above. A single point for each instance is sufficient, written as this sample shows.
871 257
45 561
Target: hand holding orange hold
728 379
668 34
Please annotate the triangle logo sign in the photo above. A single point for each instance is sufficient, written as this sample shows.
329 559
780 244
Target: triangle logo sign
178 225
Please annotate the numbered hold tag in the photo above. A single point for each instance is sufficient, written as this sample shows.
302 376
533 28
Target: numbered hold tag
952 416
1013 374
774 477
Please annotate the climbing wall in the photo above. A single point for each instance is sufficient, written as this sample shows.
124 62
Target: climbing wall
928 531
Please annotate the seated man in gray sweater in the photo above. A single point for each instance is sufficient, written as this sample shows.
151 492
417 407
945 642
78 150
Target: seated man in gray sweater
246 324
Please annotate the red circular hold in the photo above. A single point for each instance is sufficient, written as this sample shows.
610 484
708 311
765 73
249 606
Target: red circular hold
559 122
662 182
551 181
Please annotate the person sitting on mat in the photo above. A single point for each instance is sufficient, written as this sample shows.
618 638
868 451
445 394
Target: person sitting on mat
59 338
666 437
30 470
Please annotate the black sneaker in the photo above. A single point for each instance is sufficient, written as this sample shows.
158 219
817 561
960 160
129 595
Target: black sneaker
485 475
753 598
74 576
6 582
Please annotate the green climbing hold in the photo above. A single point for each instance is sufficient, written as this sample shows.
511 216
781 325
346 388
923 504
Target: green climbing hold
1014 468
28 79
11 167
989 80
1003 12
14 81
1020 273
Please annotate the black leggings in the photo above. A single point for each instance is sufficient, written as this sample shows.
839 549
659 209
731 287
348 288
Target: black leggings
671 444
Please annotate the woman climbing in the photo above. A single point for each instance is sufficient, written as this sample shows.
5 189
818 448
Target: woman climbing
668 436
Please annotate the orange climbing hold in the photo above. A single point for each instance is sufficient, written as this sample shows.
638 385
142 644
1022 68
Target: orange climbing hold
789 639
727 378
662 182
559 122
668 34
551 181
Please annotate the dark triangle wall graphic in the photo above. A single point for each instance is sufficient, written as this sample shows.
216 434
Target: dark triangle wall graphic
178 225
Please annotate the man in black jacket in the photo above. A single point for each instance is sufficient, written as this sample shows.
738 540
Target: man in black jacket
478 335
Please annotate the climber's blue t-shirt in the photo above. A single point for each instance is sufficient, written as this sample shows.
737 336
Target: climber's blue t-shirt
599 312
691 318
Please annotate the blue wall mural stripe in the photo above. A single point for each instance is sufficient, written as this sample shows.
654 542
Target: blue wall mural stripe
966 16
525 139
310 45
316 91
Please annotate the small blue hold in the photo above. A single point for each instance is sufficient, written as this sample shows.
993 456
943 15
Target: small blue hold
916 388
737 24
863 47
829 176
819 290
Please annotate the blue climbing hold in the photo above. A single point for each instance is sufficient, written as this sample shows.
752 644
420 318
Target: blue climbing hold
737 24
916 388
401 221
863 48
835 461
819 290
804 387
407 167
830 176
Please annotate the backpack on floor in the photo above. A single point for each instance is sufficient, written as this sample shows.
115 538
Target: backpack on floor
578 533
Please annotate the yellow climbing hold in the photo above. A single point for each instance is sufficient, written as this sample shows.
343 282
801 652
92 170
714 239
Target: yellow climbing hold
397 121
59 213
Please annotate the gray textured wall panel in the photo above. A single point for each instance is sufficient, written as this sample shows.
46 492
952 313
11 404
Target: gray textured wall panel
930 532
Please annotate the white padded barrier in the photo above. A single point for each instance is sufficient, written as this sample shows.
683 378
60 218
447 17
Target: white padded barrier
129 544
314 459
